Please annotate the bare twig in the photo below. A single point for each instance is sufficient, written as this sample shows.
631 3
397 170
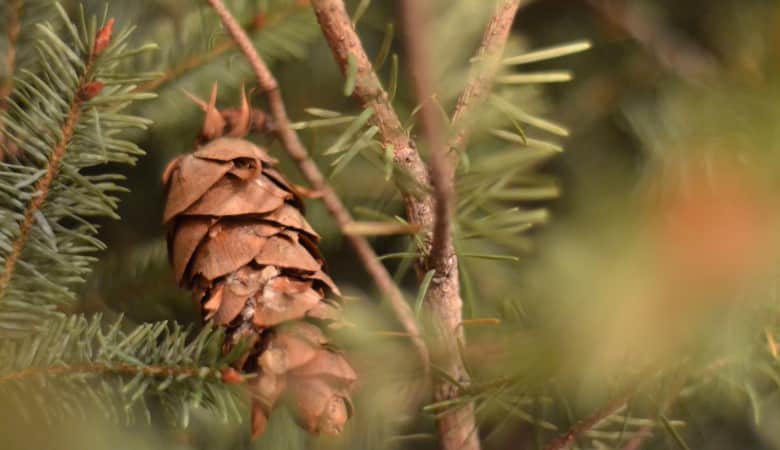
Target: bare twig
440 167
457 427
298 152
443 301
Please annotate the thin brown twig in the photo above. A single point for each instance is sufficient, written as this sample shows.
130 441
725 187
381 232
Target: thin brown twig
459 429
309 169
457 426
337 27
443 301
415 16
84 91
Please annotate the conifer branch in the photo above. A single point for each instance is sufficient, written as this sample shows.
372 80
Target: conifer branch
457 427
86 90
565 441
344 42
647 431
66 118
309 169
103 369
87 363
440 169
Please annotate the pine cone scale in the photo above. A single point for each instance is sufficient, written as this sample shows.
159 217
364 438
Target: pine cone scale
189 179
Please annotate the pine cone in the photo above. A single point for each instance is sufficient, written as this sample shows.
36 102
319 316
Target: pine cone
238 239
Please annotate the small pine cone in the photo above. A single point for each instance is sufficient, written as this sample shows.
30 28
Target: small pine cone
238 239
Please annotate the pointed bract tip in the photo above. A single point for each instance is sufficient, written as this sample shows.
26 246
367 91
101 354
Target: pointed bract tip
103 37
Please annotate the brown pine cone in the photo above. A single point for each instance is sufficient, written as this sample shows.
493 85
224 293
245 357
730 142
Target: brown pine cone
238 239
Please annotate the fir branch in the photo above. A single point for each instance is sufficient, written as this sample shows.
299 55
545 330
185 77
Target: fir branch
456 426
65 133
64 117
674 392
567 439
88 364
345 44
309 169
102 369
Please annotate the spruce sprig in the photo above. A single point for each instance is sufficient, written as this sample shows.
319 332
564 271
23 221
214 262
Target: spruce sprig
63 123
86 365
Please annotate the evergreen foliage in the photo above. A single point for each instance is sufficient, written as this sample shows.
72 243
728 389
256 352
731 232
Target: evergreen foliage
55 131
122 372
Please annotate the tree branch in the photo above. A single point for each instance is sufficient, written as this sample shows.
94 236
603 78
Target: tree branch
440 170
226 375
337 27
457 427
309 169
85 90
566 440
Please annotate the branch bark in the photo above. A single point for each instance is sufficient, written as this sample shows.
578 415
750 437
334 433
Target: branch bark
309 169
441 168
457 427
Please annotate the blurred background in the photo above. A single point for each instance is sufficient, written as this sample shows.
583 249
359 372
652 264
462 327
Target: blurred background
633 283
